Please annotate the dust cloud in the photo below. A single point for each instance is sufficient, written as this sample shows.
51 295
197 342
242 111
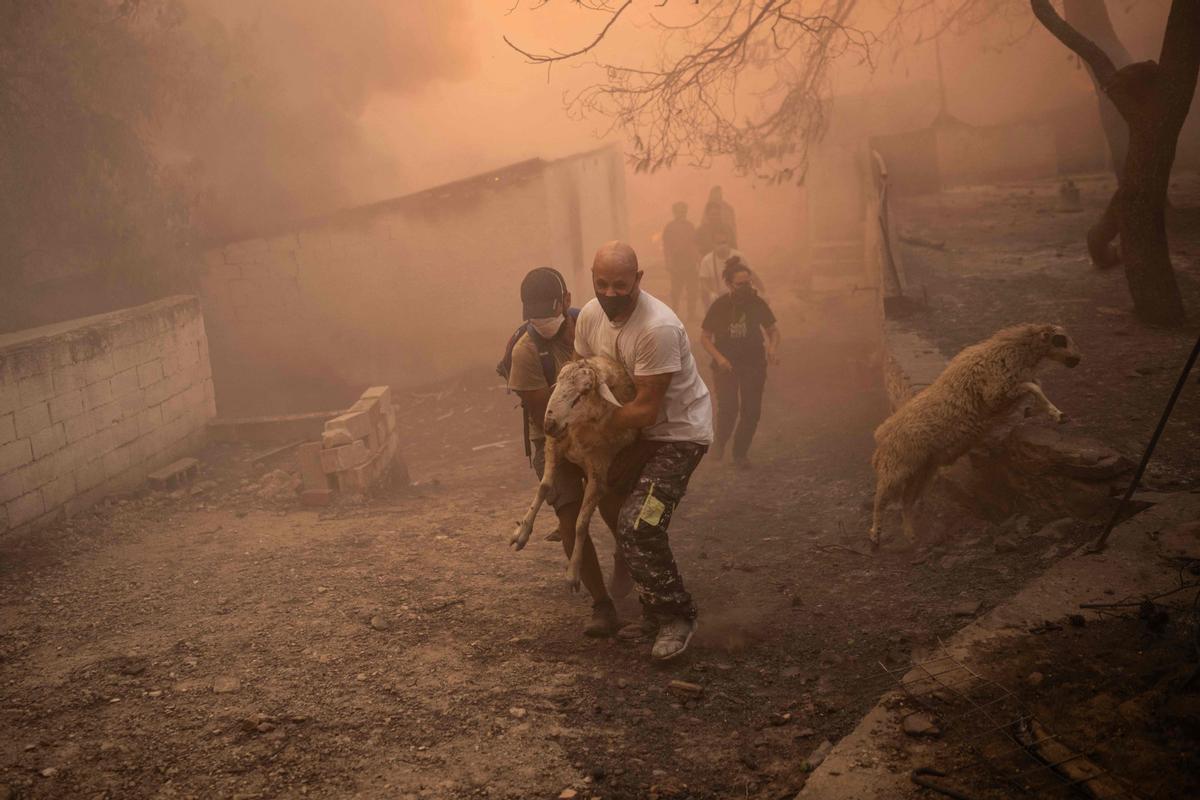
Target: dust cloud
393 101
284 89
290 109
263 115
1000 71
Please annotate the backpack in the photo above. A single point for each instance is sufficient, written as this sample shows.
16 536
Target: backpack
549 369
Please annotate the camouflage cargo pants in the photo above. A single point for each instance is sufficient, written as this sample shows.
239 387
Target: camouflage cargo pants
643 517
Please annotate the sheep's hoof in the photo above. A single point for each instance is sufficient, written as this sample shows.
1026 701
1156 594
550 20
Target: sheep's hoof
572 581
520 537
1062 418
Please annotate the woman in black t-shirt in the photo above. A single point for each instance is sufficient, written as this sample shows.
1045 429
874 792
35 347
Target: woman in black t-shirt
733 336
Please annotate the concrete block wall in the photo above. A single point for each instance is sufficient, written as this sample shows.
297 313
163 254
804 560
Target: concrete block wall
89 406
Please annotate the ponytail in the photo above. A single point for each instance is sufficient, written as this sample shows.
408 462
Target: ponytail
733 265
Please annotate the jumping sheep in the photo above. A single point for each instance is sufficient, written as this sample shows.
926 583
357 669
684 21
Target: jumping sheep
981 384
577 429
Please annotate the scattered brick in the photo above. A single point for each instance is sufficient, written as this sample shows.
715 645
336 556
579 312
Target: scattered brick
346 457
311 472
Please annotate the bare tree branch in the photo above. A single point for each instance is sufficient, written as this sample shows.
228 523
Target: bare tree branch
778 54
1102 66
1179 58
540 58
687 106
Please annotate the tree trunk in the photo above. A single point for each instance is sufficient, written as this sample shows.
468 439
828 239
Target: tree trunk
1153 99
1141 201
1090 17
1102 237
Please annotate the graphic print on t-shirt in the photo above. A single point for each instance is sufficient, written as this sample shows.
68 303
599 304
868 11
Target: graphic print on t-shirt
738 328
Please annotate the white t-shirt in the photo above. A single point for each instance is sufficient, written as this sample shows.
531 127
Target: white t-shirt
653 342
711 267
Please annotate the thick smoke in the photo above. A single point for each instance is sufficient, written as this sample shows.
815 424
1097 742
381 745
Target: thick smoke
272 132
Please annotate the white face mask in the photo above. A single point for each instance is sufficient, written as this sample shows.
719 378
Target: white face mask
547 327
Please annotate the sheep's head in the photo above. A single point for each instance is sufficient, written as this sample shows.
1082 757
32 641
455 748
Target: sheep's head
1059 346
579 395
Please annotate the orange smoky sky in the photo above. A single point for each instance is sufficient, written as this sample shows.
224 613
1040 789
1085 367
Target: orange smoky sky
506 109
380 98
276 127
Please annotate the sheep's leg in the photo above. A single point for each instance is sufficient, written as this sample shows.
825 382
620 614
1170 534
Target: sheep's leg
591 498
524 528
877 514
1042 402
886 489
912 493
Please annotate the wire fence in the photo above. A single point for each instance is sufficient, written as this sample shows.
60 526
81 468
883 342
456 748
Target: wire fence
1010 749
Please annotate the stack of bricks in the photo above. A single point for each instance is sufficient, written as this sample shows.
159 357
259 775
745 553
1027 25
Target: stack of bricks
89 407
357 452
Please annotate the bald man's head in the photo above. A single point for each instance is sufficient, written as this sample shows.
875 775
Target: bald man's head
615 256
615 277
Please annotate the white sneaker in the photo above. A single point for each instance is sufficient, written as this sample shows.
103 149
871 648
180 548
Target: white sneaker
673 638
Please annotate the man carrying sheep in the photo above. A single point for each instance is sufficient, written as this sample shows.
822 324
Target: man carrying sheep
672 410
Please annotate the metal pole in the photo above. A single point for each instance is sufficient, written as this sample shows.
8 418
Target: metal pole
1099 544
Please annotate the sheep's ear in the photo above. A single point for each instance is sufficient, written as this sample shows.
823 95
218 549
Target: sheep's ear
607 393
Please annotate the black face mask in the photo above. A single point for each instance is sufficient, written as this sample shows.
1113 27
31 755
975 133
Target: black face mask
615 305
744 292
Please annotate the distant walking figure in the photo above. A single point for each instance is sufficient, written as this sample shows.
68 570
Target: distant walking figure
733 336
712 267
724 213
682 258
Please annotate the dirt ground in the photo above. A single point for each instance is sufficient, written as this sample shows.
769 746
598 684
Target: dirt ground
221 644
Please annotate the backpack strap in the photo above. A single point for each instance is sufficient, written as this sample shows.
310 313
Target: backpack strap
549 368
525 432
505 366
